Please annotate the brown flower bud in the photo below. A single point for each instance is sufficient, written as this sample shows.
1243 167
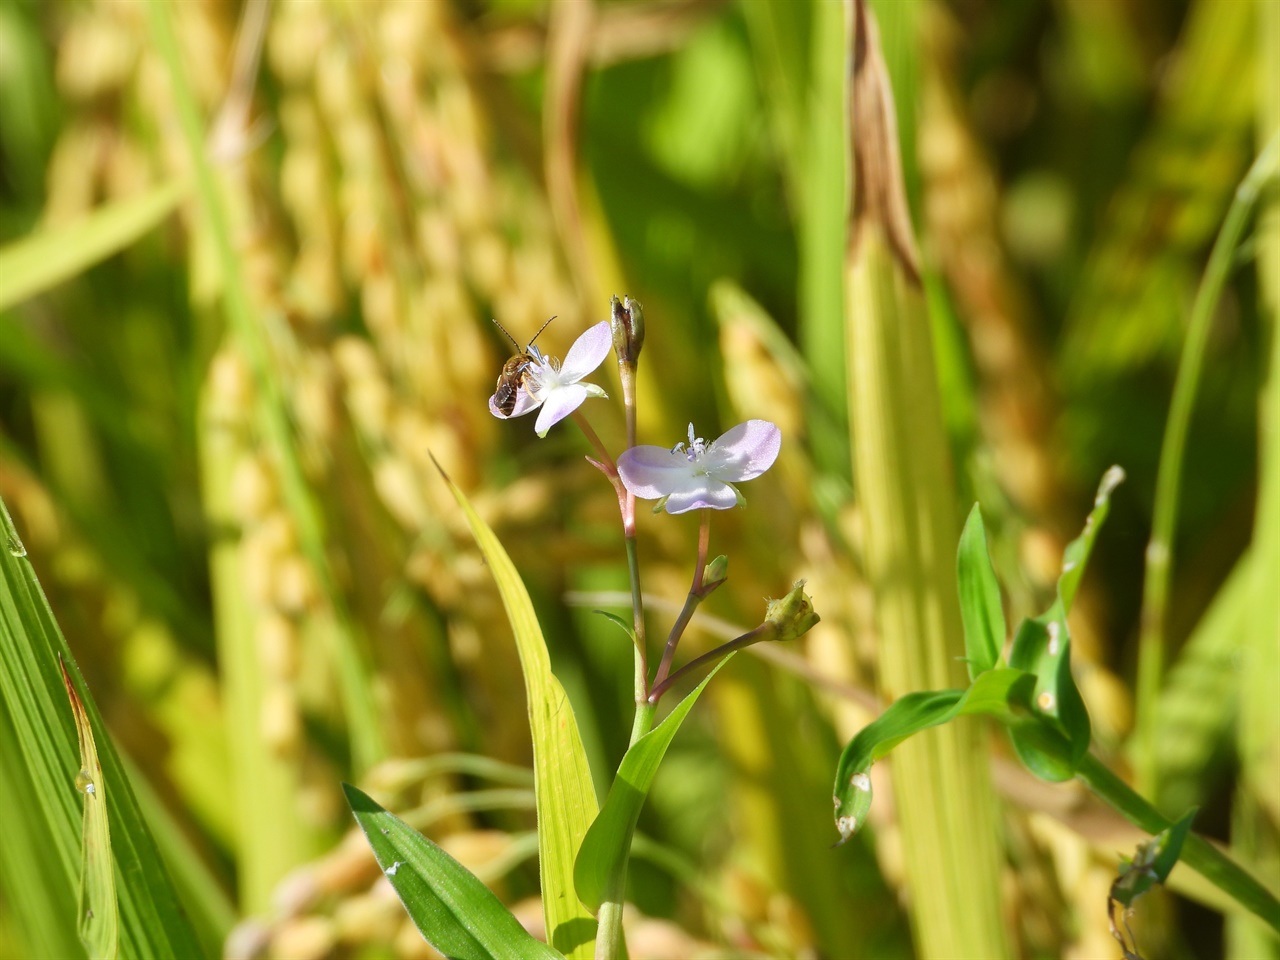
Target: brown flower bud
627 323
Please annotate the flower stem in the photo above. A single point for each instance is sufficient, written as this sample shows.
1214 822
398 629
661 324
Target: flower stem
1201 855
609 942
1164 521
763 632
696 593
606 464
627 507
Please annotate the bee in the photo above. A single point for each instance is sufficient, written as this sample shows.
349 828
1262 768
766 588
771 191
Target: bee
515 370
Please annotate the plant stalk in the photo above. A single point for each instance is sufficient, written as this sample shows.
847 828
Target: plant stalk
1155 593
763 632
946 805
1198 853
609 940
696 593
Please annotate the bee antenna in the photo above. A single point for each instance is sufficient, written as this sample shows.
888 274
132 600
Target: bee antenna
540 329
508 336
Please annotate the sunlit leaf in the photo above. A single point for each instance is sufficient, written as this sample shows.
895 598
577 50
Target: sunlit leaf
562 780
457 914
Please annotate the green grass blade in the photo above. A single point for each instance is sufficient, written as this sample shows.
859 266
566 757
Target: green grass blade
457 914
36 885
1255 831
98 914
602 860
980 607
48 257
152 921
562 780
1164 520
207 902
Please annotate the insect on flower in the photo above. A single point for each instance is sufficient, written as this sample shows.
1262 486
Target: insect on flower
515 370
533 381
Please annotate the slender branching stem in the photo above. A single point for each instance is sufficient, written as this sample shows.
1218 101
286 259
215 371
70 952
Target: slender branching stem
627 507
1197 852
605 463
696 593
609 943
765 631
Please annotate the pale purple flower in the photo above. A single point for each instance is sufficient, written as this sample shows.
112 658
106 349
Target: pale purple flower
556 387
700 474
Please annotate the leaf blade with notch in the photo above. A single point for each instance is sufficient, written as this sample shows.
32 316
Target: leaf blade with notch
452 909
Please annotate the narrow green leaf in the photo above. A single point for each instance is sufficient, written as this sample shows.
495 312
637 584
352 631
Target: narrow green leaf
1000 693
1042 646
1152 864
562 780
602 859
455 912
152 922
98 914
47 257
1076 555
980 607
621 624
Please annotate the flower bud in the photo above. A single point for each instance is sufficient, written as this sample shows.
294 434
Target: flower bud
716 572
627 323
793 616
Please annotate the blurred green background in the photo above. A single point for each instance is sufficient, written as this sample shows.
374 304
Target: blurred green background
219 401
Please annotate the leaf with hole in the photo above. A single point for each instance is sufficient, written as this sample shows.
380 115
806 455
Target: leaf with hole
1042 646
1000 693
454 911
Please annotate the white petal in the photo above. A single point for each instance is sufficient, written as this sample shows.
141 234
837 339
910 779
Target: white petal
744 452
709 493
524 404
587 353
651 473
558 404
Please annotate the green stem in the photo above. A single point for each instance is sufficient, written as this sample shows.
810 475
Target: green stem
609 941
696 592
1197 852
762 632
1155 593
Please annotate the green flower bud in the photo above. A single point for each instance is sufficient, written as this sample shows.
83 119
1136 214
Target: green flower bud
715 572
793 616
